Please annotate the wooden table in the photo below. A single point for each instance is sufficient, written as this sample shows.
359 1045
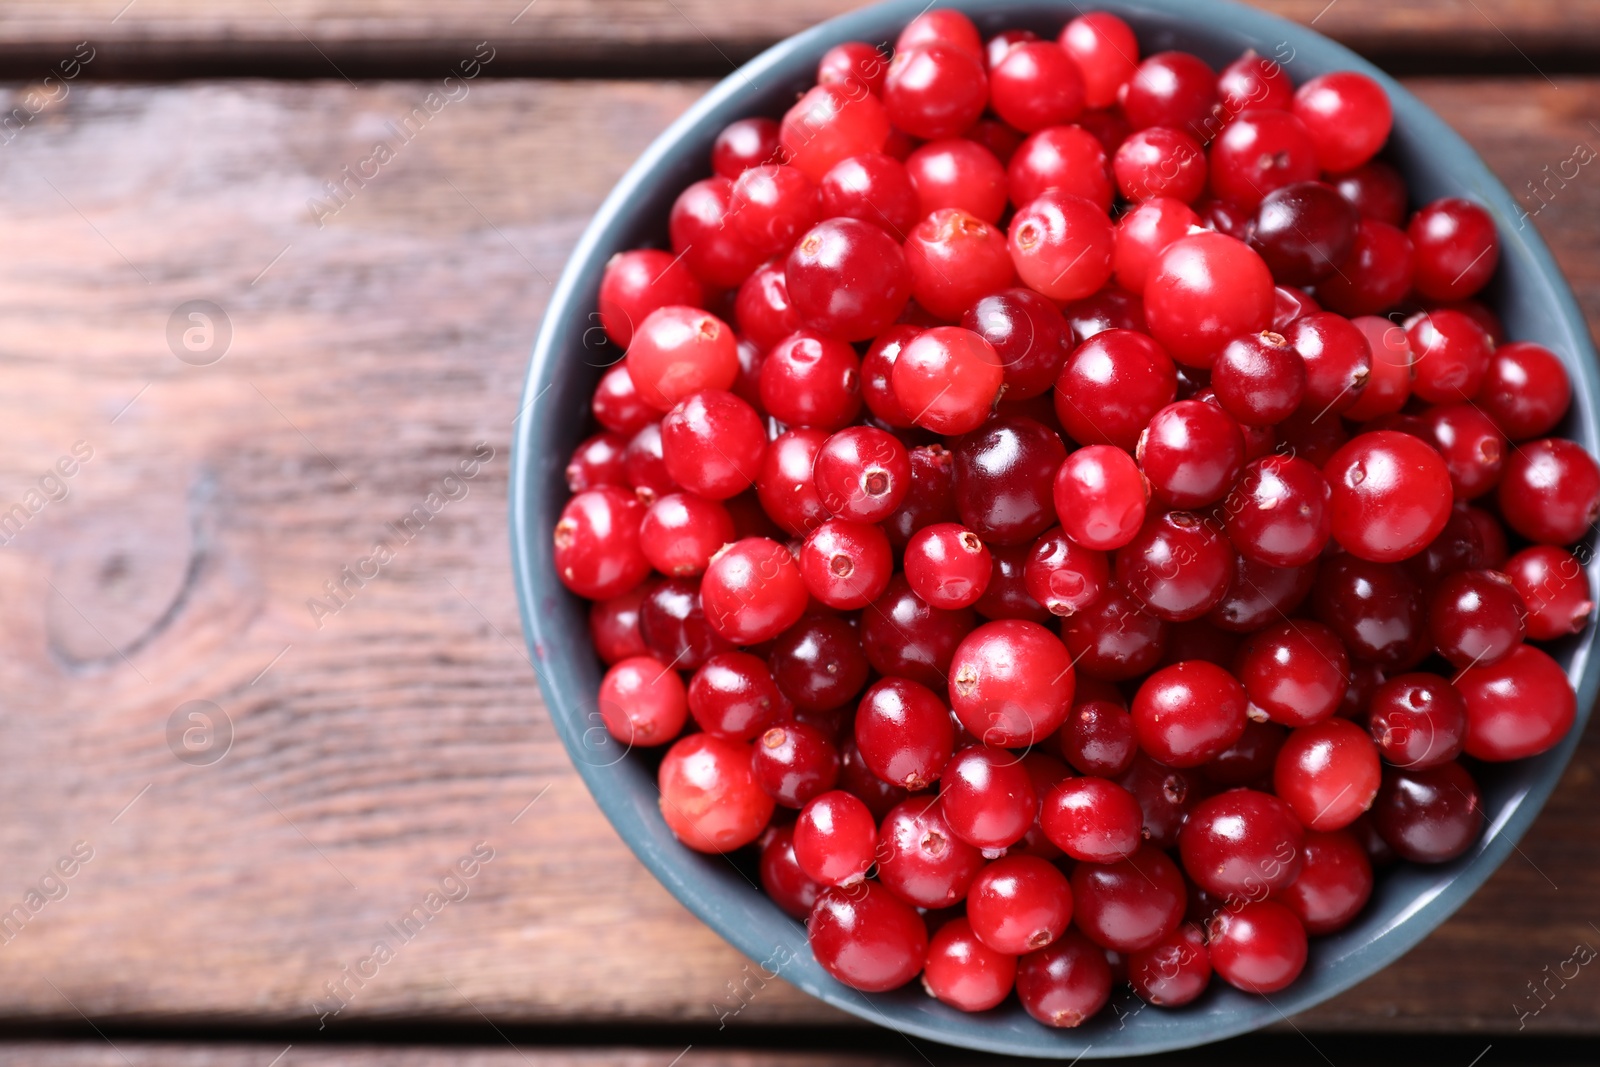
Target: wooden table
374 342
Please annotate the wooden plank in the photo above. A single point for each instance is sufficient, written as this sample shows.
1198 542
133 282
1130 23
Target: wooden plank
371 753
629 37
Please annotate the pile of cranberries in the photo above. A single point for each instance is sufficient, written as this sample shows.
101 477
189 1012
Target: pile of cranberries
1062 511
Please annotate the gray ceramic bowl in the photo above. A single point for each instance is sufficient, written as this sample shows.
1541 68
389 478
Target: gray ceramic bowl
570 354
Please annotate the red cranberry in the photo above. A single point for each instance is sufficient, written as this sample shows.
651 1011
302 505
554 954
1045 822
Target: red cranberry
1296 672
1019 904
1101 496
1178 566
1110 387
1554 589
1260 947
1477 618
1429 815
867 938
1036 84
947 379
902 635
862 474
955 259
812 380
753 591
712 444
846 565
1203 291
1259 151
965 973
709 795
785 486
642 702
1061 245
1143 233
873 188
1456 248
704 239
1114 638
1516 708
789 887
1173 971
853 64
1327 773
904 733
1418 720
1452 355
947 565
1011 683
1278 512
733 696
1347 115
1189 712
1172 89
835 838
1242 844
1105 50
831 123
944 26
636 283
1472 447
1092 819
742 144
1130 904
771 205
617 405
1160 161
959 174
1259 379
1390 495
1191 452
1334 883
848 278
597 553
920 860
1376 275
1065 984
614 625
794 762
1029 335
1254 81
1064 576
681 350
988 797
935 90
1067 159
1525 391
1550 491
1376 189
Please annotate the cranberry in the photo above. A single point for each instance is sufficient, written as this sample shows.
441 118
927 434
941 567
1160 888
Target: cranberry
1019 904
712 444
1327 773
1452 355
1130 904
709 795
1455 247
1203 291
1519 707
1171 89
733 696
681 350
597 553
742 144
1160 161
1334 883
1304 231
1376 275
1109 309
873 188
1173 971
639 282
958 174
867 938
1105 50
789 887
1253 81
809 379
835 838
1296 672
1261 150
1092 819
1178 566
1036 84
1390 495
955 259
1550 491
853 64
931 498
831 123
1347 115
1278 512
935 90
1191 452
1554 589
1472 447
1525 391
1114 638
1165 795
1065 984
674 626
1260 947
1064 576
1068 160
1418 720
795 762
1061 245
862 474
904 733
753 591
1029 335
1249 760
785 486
1189 712
1005 473
1375 608
818 663
848 278
597 461
920 860
1098 737
1242 844
614 625
617 405
1376 189
1477 618
771 205
1011 683
947 565
846 565
642 702
902 635
1143 233
1100 496
1259 379
1259 594
1429 815
704 239
943 26
988 797
965 973
1111 386
1337 360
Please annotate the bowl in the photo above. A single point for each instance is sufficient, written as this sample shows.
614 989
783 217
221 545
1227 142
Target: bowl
570 354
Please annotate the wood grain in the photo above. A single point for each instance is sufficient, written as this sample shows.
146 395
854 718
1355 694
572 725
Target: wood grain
369 357
630 37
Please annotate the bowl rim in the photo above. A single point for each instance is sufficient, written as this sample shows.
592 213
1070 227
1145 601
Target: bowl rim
687 876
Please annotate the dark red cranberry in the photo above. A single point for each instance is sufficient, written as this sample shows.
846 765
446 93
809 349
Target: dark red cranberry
789 887
1110 387
1004 478
1375 276
1516 708
867 938
1259 594
1190 452
1114 638
1178 566
1130 904
1098 737
1165 795
1375 608
614 625
1259 947
1376 189
1429 815
1334 883
1007 595
920 860
1173 971
1242 844
1259 379
903 636
1525 391
1550 491
1418 720
1278 512
1249 760
931 498
1029 335
794 762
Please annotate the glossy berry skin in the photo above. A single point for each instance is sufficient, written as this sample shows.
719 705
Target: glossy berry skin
1472 446
988 797
1417 720
1063 575
1303 231
867 938
1390 495
1005 473
835 838
1100 497
903 636
1452 354
830 123
1278 512
1177 566
712 444
742 144
931 498
947 565
733 696
781 877
935 91
1376 189
965 973
1143 233
1130 904
874 188
1254 81
862 474
1260 594
947 379
1173 971
1389 381
1262 149
848 279
1105 50
1165 795
1516 708
1476 617
1067 159
764 315
1550 491
674 626
1295 671
1259 378
596 543
1173 89
1327 774
636 283
597 461
957 173
809 379
942 26
1092 820
617 405
1061 245
614 625
680 350
1007 596
1098 737
846 565
956 259
1019 904
795 762
1110 387
1260 947
1187 713
1429 815
703 236
709 795
753 591
1064 984
645 465
920 860
1114 638
785 487
1011 683
1337 360
904 733
1347 115
680 532
1036 85
1202 292
818 663
877 369
1525 390
1190 453
771 205
1160 161
1029 335
1376 275
1455 247
1334 884
642 702
1241 844
1377 609
1554 589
